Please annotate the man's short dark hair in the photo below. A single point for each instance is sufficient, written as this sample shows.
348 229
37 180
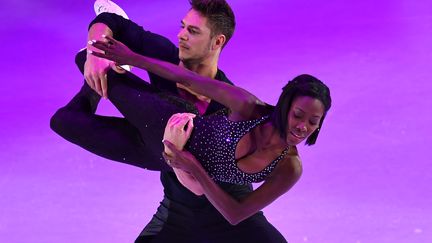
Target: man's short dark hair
219 14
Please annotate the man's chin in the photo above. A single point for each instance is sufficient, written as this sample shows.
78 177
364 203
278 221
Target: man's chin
187 60
183 57
183 54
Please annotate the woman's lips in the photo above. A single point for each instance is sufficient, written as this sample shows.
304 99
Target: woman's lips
297 135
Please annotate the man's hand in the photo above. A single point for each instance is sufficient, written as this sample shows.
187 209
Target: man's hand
178 130
95 73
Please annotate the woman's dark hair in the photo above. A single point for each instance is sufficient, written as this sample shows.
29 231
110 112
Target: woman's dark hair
303 85
219 15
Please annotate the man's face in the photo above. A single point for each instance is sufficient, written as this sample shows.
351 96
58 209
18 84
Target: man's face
194 38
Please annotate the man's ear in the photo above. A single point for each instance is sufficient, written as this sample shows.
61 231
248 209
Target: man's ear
219 41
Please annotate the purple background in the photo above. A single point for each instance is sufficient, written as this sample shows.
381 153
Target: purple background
368 178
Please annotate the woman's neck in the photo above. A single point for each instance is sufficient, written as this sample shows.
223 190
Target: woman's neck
268 137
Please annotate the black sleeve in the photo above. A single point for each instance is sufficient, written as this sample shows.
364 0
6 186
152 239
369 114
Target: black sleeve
137 39
143 42
215 106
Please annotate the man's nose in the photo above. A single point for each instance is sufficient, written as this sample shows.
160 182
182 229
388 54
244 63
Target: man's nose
182 34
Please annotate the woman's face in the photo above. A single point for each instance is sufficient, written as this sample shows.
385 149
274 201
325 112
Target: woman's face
303 118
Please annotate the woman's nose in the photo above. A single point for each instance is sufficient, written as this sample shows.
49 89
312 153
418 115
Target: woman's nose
302 127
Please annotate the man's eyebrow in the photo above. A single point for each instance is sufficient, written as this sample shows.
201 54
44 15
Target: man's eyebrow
191 26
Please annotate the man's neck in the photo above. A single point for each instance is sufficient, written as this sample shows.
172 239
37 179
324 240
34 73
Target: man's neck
207 68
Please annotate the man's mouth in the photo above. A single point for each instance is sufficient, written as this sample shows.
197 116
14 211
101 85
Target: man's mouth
184 46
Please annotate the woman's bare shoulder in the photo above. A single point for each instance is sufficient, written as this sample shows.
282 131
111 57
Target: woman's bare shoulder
290 165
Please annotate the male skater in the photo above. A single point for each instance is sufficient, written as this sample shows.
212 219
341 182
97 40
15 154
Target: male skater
181 216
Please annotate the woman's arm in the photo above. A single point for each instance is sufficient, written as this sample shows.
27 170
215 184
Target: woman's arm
284 176
243 105
188 181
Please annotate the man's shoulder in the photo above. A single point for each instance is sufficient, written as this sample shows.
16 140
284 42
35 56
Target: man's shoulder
220 75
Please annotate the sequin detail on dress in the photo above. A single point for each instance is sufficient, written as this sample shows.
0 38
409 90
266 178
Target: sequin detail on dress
214 141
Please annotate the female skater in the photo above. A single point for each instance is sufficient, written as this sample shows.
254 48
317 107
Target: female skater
251 143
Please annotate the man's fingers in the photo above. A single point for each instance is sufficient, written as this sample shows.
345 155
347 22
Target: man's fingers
118 69
90 81
190 124
110 38
182 122
98 54
104 86
191 115
104 46
98 79
170 119
189 128
175 121
179 121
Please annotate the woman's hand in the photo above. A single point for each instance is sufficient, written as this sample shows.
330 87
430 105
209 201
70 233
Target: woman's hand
178 130
113 50
180 159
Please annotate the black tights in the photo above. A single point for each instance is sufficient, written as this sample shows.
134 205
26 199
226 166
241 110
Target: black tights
135 140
